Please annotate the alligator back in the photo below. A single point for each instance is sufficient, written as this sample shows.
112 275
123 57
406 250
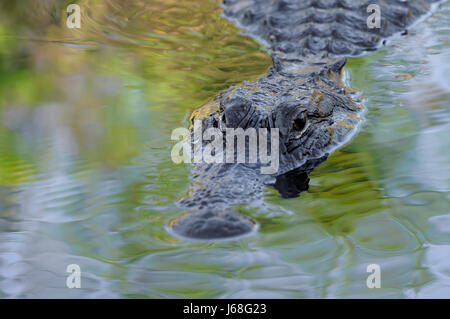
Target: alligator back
300 28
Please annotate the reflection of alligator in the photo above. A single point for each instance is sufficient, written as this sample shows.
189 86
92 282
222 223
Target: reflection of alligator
303 95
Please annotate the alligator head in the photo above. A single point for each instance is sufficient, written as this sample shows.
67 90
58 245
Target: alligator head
303 96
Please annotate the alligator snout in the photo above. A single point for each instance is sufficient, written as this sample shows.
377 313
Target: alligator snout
213 225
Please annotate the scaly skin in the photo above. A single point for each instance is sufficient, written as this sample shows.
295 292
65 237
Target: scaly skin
302 95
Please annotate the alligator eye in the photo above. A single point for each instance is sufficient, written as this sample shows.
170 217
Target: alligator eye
299 123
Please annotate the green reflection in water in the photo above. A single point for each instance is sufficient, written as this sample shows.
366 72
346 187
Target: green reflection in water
86 175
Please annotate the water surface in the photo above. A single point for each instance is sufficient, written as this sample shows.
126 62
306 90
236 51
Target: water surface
86 176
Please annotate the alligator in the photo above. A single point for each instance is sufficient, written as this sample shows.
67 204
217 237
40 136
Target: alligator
304 95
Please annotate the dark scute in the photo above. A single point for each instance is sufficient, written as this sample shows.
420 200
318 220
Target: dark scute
238 112
338 65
